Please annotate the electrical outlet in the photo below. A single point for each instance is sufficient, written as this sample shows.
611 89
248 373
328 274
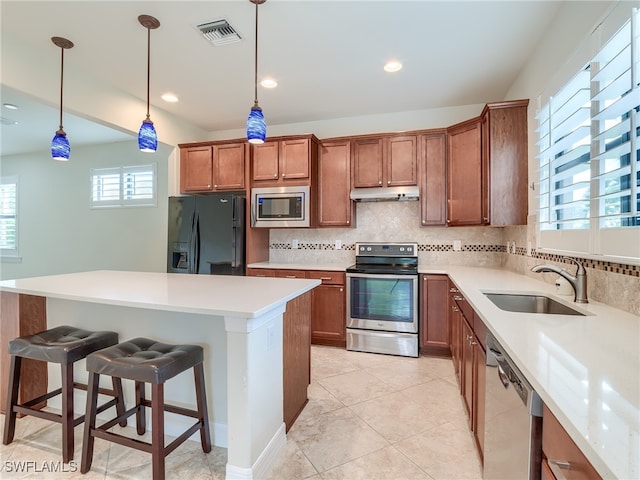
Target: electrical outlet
338 244
528 249
457 245
294 243
513 247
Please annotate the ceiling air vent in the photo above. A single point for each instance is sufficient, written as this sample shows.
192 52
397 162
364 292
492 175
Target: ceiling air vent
219 32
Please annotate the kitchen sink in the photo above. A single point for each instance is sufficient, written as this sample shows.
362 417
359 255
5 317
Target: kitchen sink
530 303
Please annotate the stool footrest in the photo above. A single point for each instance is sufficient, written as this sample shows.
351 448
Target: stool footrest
173 409
121 439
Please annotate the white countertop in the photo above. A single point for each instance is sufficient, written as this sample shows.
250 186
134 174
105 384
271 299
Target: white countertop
586 369
222 295
334 267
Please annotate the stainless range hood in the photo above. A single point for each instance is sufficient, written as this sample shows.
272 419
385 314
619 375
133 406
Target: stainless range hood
385 194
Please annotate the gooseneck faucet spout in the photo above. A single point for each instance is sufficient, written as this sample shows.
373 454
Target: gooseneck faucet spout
578 282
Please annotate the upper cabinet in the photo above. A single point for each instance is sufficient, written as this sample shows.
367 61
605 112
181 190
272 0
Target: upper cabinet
380 161
285 160
212 167
464 173
433 178
335 207
487 167
504 160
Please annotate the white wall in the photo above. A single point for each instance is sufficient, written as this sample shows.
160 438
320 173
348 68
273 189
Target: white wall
60 233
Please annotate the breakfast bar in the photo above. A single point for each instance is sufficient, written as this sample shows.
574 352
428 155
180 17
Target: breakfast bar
237 320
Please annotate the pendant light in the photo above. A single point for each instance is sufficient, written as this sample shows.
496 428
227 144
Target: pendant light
256 126
147 136
60 148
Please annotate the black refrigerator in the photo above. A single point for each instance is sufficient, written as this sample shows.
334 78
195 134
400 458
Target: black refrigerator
206 234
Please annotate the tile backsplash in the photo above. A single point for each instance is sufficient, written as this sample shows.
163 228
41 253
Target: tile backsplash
615 284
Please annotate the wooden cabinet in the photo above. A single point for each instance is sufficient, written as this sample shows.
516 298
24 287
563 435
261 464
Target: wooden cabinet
328 307
385 161
469 356
560 453
487 167
328 303
335 207
212 167
196 169
260 272
287 160
434 320
504 162
228 166
433 179
464 174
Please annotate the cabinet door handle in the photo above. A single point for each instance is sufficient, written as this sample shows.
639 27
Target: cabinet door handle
557 466
379 182
341 289
388 182
283 175
455 309
215 186
275 175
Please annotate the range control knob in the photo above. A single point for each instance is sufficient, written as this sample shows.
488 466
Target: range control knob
368 249
362 249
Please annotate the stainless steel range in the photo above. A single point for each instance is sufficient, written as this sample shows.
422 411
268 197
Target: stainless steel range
382 299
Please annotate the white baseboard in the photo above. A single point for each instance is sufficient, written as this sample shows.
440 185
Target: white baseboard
265 462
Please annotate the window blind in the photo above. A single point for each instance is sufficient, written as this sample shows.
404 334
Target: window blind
589 154
124 186
8 216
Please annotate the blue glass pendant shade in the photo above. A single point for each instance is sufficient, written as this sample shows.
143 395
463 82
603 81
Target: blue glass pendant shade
256 126
147 137
60 148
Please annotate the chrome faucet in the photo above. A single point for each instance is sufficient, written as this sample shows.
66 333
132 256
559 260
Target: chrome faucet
579 282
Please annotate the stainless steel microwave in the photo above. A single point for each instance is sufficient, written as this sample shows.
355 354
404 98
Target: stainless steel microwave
273 207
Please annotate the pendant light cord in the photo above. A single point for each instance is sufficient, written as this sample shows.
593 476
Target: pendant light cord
255 80
148 67
61 82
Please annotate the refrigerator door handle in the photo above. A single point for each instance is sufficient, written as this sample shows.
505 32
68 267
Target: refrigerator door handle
192 247
196 243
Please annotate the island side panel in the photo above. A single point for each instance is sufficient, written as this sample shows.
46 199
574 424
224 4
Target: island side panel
296 360
21 315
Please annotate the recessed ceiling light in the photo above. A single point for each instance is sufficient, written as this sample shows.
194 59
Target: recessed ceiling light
169 97
392 66
269 83
10 106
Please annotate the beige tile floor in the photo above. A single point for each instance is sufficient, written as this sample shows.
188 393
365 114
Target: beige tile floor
369 417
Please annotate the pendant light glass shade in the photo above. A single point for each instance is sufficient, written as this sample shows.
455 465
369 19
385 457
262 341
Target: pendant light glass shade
147 136
60 148
256 126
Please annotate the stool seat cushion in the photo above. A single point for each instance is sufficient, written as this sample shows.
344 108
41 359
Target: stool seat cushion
145 360
63 344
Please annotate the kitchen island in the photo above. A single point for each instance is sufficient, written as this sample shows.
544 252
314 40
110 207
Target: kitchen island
237 320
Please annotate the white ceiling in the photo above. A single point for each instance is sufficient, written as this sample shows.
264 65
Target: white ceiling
327 57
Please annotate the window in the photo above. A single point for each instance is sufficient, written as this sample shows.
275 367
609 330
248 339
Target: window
589 160
8 216
123 186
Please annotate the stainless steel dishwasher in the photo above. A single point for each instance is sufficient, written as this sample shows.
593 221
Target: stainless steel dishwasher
513 420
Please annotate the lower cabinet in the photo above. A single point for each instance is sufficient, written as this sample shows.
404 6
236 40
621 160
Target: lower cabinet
328 317
561 457
468 334
328 303
434 315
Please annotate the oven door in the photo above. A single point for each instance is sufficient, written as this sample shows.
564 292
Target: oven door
382 302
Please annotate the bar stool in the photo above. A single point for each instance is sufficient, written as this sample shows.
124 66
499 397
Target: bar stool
146 361
64 345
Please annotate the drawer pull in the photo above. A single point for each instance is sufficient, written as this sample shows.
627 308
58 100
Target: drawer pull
290 276
557 467
325 278
453 290
457 297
